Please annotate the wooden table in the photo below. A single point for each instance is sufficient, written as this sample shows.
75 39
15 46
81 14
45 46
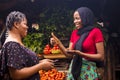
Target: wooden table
54 56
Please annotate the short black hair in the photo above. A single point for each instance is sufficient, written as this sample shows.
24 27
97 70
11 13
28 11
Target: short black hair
14 16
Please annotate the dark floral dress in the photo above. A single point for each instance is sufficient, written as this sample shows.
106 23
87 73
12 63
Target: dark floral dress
16 56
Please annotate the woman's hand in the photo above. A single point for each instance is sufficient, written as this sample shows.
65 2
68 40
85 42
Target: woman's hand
46 64
61 46
26 72
56 39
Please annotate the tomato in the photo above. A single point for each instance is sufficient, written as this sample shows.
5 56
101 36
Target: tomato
57 47
46 51
52 74
47 46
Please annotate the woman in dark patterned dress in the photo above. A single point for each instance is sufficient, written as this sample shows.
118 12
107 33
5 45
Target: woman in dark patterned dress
16 61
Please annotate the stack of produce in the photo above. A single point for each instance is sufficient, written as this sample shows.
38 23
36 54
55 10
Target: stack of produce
47 49
52 74
54 50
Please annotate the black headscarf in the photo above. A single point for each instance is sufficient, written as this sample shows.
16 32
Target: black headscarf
87 18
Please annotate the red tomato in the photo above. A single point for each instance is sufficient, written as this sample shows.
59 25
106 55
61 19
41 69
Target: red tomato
47 46
46 51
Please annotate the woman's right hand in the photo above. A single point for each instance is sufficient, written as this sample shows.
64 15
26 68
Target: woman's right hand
61 46
46 64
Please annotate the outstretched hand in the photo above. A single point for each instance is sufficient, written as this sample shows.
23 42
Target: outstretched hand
58 42
61 46
56 39
47 64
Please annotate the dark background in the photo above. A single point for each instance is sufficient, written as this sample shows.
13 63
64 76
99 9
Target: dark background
105 10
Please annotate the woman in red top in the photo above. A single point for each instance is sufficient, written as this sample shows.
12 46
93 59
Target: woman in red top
86 46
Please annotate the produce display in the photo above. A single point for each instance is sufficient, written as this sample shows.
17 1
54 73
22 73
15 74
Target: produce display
47 49
52 74
54 50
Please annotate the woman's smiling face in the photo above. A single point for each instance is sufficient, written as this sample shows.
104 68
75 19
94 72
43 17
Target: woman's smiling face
77 20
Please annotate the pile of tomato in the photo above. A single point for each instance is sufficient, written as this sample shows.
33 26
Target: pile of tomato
52 74
49 50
